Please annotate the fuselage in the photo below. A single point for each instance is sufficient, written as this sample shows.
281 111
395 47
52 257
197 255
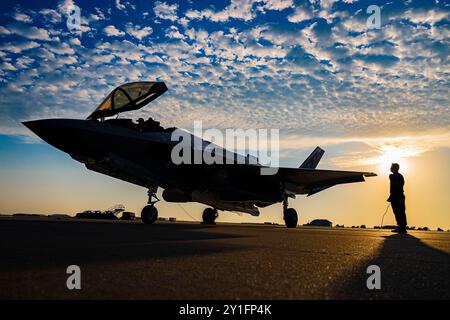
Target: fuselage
117 148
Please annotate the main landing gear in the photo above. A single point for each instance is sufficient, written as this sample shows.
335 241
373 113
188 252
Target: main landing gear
149 213
289 214
209 216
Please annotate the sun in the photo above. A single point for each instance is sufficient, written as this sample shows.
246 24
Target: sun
392 154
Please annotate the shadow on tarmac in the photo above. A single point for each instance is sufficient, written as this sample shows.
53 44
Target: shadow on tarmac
410 269
26 245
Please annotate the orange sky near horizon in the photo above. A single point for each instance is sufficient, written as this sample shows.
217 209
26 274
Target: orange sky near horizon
54 183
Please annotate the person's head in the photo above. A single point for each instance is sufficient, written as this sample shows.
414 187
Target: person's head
395 167
140 120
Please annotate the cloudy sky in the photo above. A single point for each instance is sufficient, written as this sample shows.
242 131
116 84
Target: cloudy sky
311 68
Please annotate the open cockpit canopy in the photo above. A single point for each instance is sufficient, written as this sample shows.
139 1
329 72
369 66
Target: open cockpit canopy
127 97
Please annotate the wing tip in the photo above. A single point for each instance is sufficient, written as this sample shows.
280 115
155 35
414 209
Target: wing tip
369 174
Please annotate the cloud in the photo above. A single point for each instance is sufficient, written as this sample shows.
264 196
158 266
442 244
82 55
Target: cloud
24 62
174 33
26 31
120 6
99 15
429 16
165 11
112 31
22 17
278 5
75 41
6 66
64 6
51 15
326 77
240 10
60 48
300 14
67 60
137 32
384 150
237 9
4 31
18 47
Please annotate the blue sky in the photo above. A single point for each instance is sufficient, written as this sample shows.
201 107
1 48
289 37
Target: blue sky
311 68
242 60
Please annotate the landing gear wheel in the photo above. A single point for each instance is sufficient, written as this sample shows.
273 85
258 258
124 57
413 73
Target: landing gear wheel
290 218
209 216
149 214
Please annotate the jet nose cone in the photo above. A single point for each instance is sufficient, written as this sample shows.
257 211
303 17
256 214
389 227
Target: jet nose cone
57 132
42 128
34 125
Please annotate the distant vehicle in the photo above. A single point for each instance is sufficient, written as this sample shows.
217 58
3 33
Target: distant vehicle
172 219
140 153
319 223
89 214
109 214
128 216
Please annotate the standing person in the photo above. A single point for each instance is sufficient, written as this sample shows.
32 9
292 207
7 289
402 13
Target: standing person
397 198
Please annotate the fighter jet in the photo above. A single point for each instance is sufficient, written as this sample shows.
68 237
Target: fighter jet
140 153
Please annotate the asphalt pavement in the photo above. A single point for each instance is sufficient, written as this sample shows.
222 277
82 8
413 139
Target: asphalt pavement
180 260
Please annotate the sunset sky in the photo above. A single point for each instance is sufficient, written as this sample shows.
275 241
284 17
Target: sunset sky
313 69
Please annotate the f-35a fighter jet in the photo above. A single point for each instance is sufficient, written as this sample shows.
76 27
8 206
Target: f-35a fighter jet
140 153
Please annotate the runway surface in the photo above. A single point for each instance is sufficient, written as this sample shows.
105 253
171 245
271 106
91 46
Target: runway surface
130 260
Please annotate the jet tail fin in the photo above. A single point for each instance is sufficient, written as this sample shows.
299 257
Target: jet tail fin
313 159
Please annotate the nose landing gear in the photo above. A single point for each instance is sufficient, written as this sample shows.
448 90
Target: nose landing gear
149 213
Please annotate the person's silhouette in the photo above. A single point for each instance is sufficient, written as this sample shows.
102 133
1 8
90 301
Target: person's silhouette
397 198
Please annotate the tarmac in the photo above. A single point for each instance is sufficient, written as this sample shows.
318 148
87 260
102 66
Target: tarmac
181 260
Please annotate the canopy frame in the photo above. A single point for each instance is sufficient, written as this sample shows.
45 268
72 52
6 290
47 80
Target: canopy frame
155 90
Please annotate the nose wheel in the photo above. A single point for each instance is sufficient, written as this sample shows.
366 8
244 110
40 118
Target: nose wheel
209 216
149 213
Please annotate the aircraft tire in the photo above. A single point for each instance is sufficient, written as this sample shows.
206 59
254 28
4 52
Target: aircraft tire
209 216
149 214
290 218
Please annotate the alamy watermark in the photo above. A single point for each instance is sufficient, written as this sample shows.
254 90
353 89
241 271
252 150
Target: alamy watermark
374 280
73 282
73 21
261 147
374 20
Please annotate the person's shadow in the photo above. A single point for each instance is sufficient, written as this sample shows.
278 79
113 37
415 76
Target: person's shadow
410 269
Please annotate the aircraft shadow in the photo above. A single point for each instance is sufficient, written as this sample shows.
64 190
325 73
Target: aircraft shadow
410 269
28 245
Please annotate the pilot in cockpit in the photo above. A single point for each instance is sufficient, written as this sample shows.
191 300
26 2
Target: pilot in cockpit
150 125
140 124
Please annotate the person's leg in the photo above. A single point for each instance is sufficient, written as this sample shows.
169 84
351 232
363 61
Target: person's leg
398 206
402 215
396 210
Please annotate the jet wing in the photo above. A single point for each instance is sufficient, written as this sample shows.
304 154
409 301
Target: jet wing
310 181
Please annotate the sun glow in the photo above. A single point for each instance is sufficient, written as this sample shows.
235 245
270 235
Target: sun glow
393 154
